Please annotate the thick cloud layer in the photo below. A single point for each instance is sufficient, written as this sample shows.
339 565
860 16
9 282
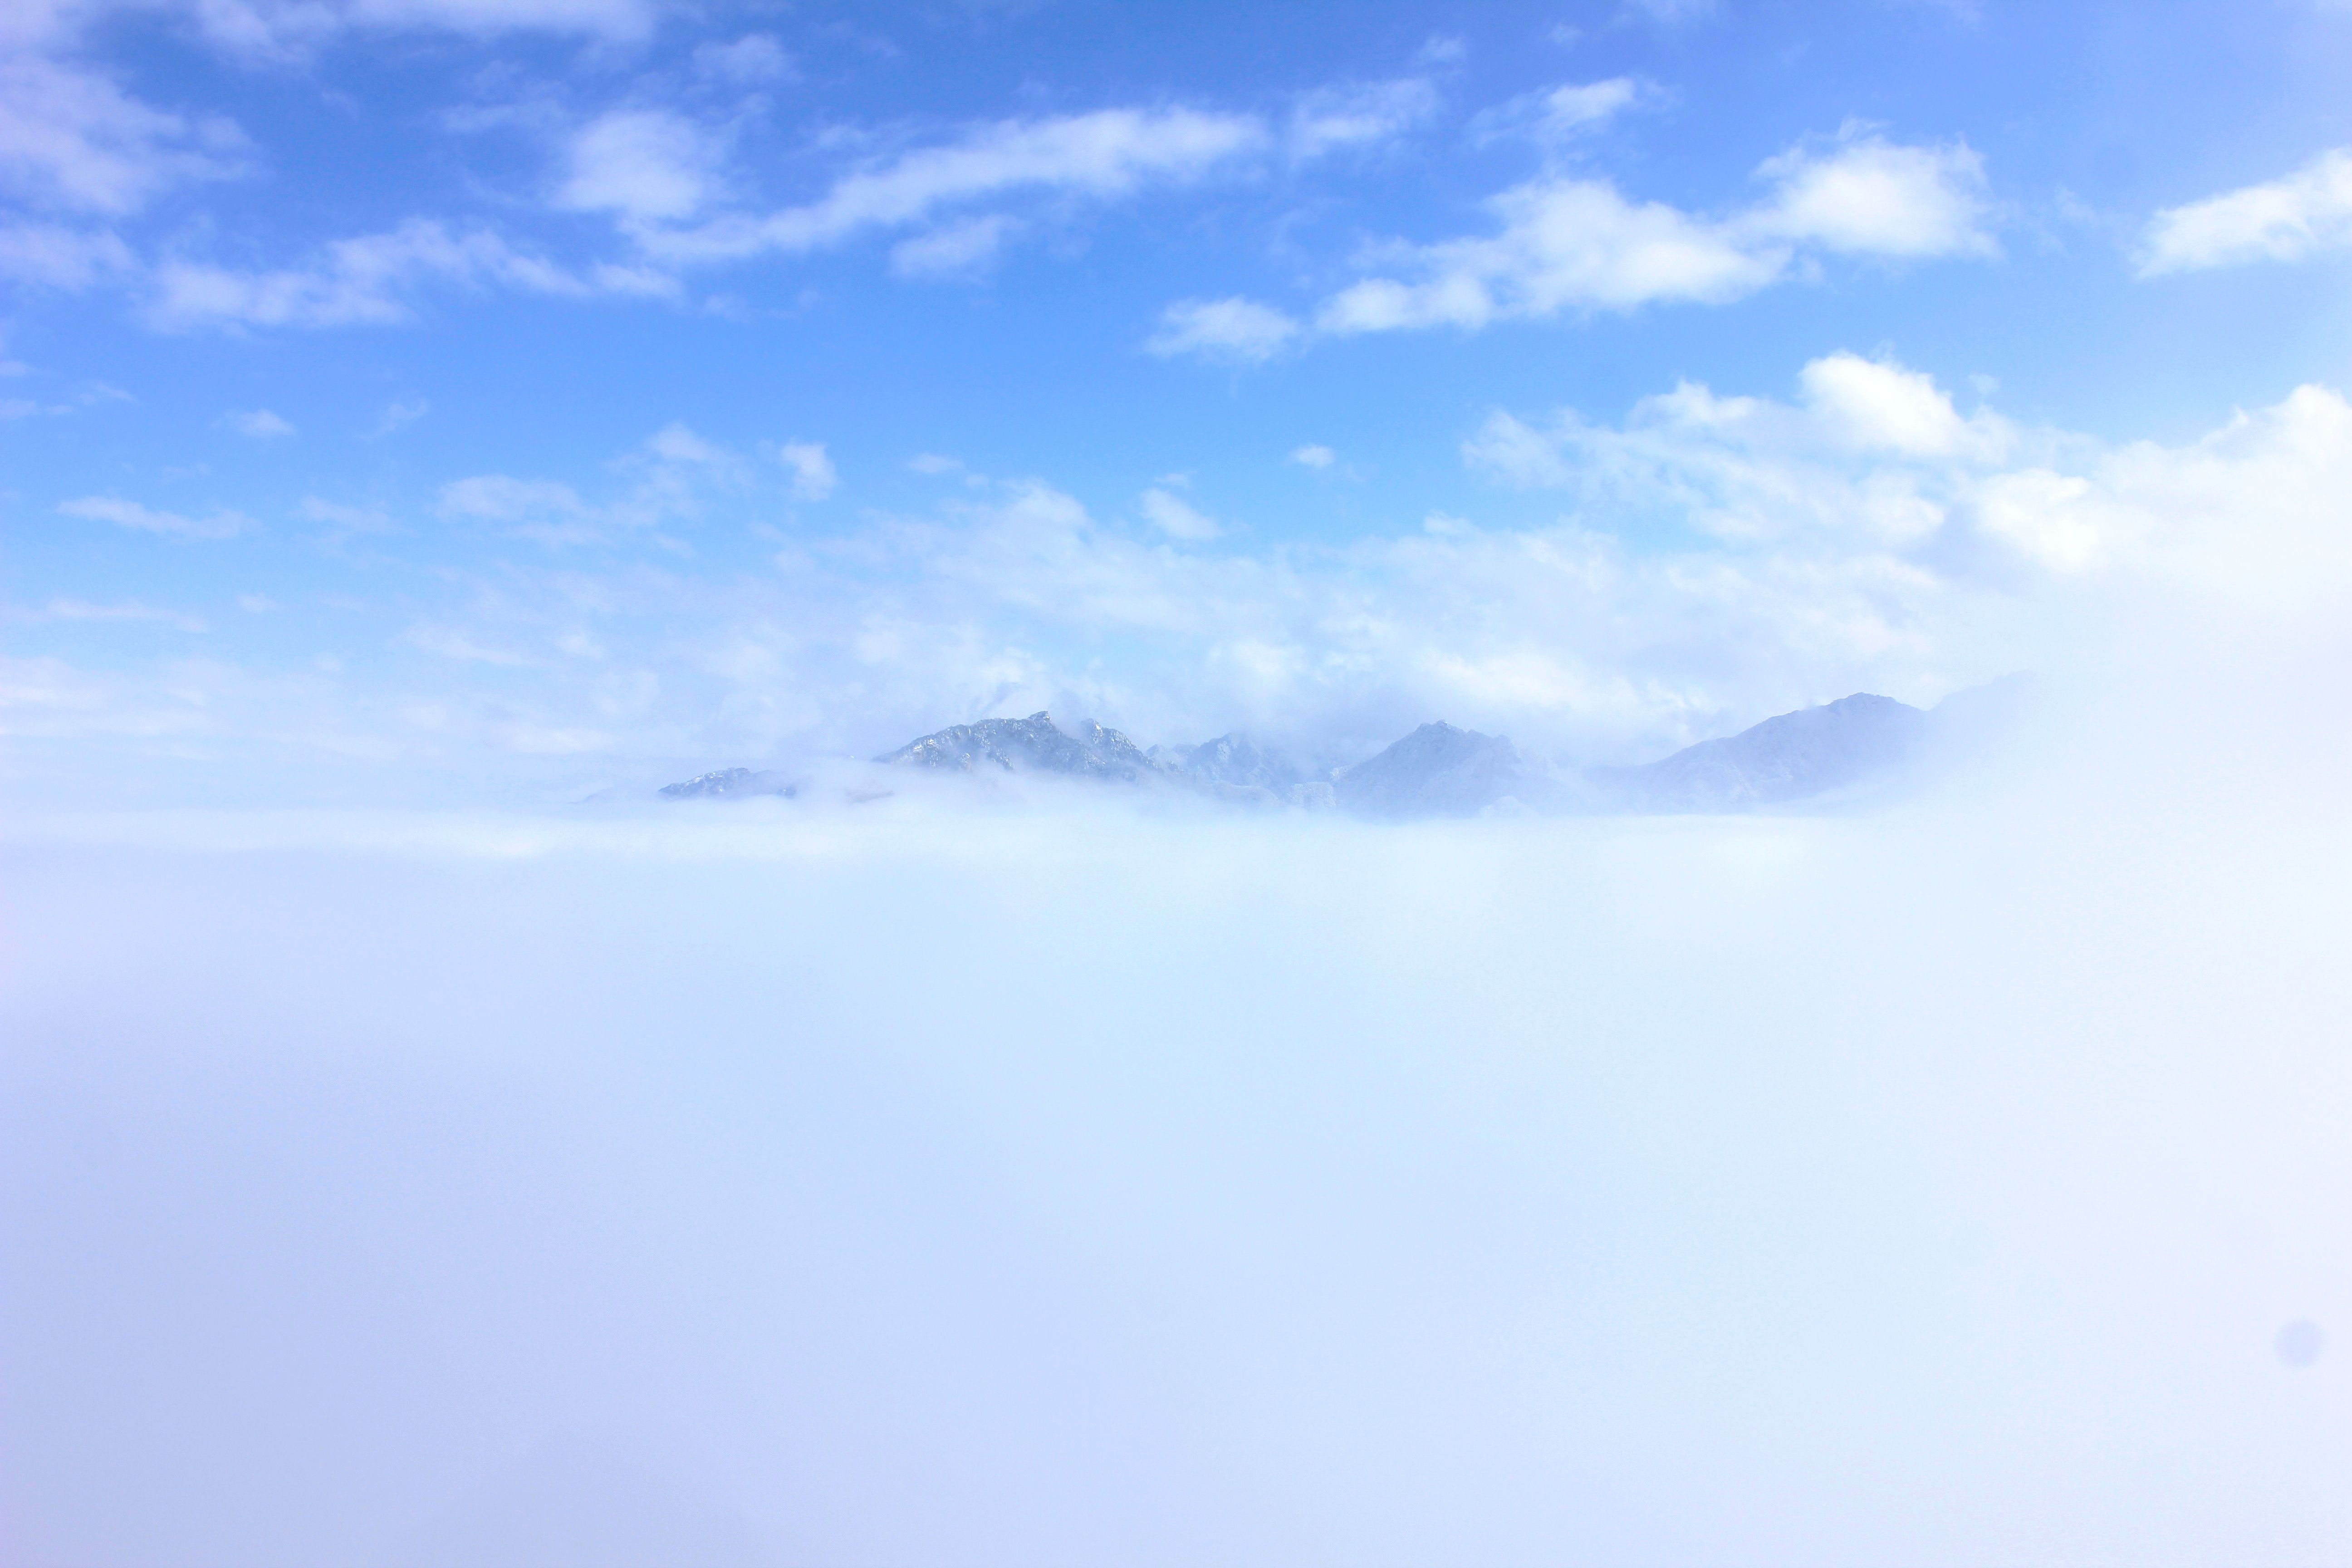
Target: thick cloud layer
776 1184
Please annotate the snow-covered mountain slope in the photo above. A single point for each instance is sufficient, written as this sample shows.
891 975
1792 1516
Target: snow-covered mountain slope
728 784
1792 757
1436 770
1034 744
1233 760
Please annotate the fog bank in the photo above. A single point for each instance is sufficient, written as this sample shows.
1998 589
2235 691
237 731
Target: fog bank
1962 1184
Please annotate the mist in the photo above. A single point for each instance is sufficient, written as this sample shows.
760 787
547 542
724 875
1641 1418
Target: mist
1067 1180
1010 786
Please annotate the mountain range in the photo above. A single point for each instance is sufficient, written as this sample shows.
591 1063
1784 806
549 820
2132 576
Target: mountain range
732 783
1838 750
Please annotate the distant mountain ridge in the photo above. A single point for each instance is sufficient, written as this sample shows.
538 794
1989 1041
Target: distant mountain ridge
1791 757
1810 754
1436 770
1232 761
1034 744
728 784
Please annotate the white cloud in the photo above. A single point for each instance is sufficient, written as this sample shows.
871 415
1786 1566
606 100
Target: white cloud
1236 329
624 19
1868 196
1363 115
1671 13
454 643
1105 154
954 248
1560 114
2286 219
1875 457
81 610
399 414
1312 457
642 166
500 498
220 524
259 423
277 30
678 444
754 58
813 478
1714 558
1557 634
59 257
1875 405
1569 244
371 281
1171 515
2254 509
70 138
671 479
344 518
1564 244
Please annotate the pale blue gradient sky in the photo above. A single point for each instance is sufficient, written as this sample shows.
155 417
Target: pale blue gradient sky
424 397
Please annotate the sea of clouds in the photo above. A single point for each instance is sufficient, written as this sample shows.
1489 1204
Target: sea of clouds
1083 1179
1043 1175
419 1146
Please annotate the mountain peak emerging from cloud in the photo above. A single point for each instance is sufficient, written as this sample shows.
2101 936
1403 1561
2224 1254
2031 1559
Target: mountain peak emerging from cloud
1794 756
1034 744
1860 742
730 783
1436 770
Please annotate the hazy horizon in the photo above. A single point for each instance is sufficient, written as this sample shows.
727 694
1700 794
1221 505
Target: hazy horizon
429 426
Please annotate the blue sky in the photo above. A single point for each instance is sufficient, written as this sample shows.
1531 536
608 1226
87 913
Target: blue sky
512 397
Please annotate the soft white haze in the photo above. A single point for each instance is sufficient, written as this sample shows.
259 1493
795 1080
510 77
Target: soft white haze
432 429
1031 1176
971 1179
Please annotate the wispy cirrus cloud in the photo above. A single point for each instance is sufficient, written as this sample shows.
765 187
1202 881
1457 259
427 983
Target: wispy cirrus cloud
259 423
1671 13
1177 518
1102 154
1356 115
57 255
954 250
286 30
374 279
219 524
73 139
657 172
1236 329
1560 114
132 612
670 479
753 58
